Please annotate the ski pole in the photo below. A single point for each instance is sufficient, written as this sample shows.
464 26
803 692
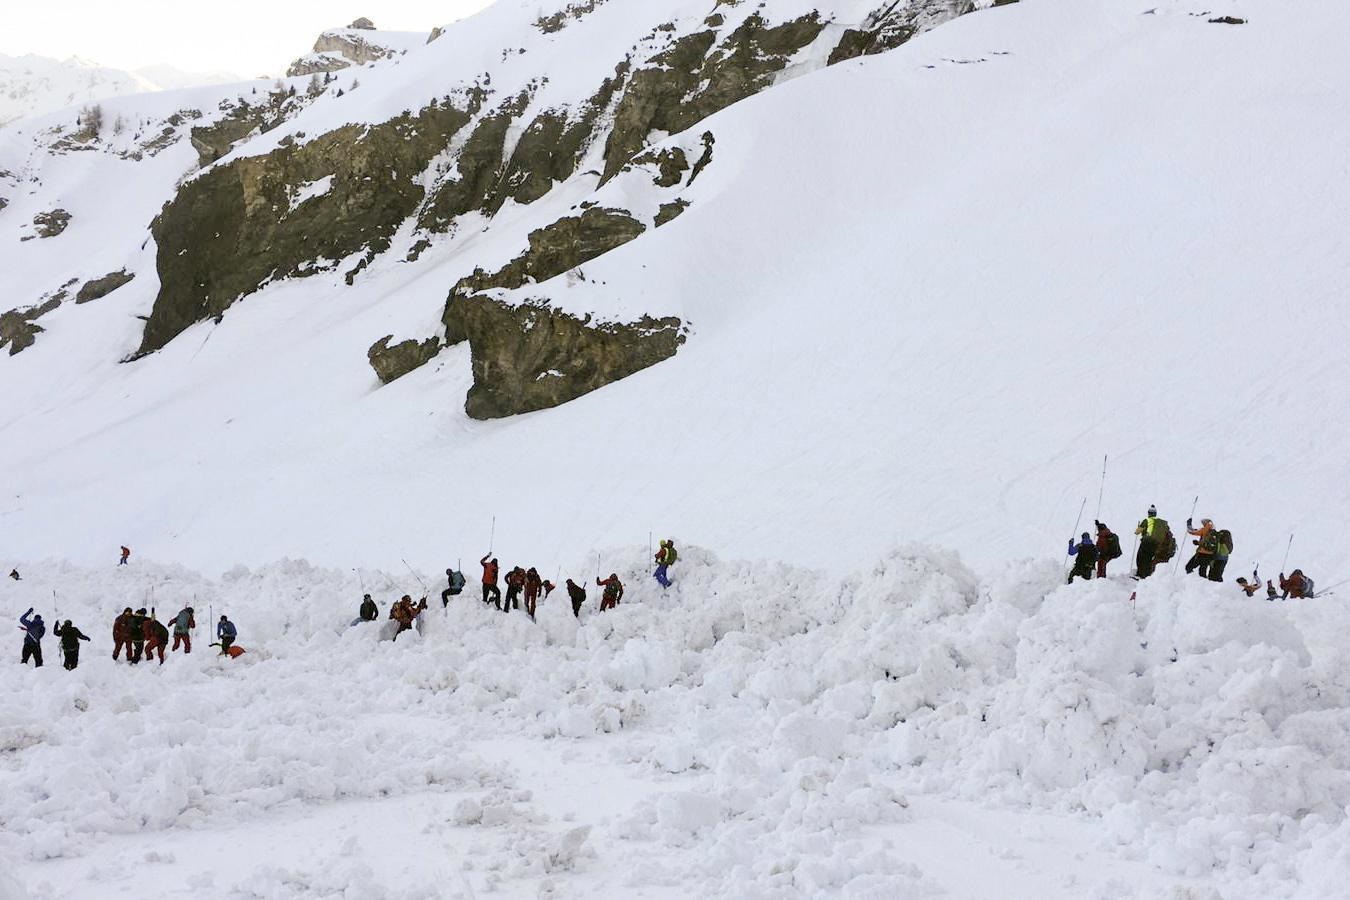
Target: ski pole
1196 502
1102 489
1286 553
1076 522
492 536
649 545
362 578
415 575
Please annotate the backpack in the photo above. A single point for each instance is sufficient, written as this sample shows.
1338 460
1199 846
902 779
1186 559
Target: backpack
1225 538
1167 542
1307 588
456 582
1112 546
671 555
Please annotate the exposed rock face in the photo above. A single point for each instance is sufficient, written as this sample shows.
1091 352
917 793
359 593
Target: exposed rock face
559 20
19 328
700 75
363 24
50 224
102 287
215 140
669 211
391 363
892 24
233 228
530 357
565 244
339 49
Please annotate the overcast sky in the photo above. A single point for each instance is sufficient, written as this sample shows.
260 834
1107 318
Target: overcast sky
246 37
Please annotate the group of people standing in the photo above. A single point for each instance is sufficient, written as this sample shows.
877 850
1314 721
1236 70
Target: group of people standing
139 633
520 583
1157 545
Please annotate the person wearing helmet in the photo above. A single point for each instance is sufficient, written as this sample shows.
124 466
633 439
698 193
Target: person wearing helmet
70 643
1085 557
665 558
613 591
1150 535
369 611
1205 538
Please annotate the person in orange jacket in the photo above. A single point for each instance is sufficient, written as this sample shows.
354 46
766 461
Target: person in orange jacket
491 593
122 633
1204 547
515 583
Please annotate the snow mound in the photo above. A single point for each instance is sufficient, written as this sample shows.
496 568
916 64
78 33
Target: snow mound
780 717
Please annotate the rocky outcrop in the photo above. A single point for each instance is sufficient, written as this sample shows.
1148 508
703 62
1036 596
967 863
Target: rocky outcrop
699 75
892 24
391 363
19 328
215 140
363 24
565 244
560 19
530 357
669 211
232 229
50 224
339 49
102 287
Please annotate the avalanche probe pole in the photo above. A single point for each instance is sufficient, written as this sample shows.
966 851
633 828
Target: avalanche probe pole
1282 565
1194 503
1076 522
415 575
1102 489
492 536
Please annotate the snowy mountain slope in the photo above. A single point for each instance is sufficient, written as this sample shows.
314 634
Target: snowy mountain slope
761 731
943 282
32 85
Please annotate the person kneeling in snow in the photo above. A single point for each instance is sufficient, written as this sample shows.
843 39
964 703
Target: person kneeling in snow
404 612
1250 587
1297 585
70 643
1086 555
369 611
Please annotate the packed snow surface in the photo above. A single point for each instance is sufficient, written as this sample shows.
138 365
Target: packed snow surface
759 730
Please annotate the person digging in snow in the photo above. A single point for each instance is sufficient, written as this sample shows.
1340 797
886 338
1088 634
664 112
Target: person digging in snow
226 631
665 558
137 636
1250 587
1155 539
156 637
405 613
126 554
183 623
1085 556
70 643
533 584
577 594
33 629
515 582
122 632
1297 585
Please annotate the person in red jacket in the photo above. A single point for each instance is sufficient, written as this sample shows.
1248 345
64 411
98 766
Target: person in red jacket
613 591
491 593
1103 548
126 552
156 637
1296 585
122 632
533 583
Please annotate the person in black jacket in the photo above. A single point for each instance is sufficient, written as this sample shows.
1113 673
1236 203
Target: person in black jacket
1085 553
369 611
70 643
577 593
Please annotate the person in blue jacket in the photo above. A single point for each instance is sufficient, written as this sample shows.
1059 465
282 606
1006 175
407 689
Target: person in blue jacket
1086 557
225 630
33 632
